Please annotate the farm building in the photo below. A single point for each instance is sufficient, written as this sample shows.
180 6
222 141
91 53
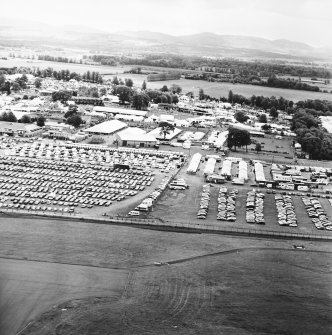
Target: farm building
106 128
132 137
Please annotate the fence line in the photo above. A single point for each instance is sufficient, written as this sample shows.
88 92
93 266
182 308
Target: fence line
174 226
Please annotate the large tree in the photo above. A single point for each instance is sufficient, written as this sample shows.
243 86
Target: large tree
241 117
75 121
238 138
125 93
166 128
41 121
140 101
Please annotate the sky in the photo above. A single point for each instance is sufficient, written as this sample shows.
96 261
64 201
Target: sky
307 21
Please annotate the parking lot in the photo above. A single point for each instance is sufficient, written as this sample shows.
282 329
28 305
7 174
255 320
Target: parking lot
186 204
46 178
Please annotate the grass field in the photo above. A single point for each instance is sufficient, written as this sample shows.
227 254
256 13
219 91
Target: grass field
235 286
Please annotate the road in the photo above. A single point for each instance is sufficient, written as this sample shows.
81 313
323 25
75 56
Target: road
28 288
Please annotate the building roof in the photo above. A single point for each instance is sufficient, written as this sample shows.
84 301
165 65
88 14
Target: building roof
136 135
116 110
107 127
15 126
156 132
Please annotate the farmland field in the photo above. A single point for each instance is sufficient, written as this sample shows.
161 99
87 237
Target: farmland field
216 90
236 286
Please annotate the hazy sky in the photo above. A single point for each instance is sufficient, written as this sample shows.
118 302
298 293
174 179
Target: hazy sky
307 21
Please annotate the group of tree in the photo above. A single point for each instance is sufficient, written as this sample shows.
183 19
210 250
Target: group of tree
62 95
314 139
241 117
72 117
8 117
4 84
119 81
261 102
238 138
84 91
19 83
92 77
58 59
273 81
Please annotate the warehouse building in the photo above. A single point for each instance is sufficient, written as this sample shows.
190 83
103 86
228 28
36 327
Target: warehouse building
133 137
106 128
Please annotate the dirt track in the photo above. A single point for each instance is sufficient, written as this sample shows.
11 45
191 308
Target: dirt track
29 288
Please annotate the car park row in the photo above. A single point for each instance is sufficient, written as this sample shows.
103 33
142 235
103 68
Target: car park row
226 204
204 203
255 207
286 211
317 213
148 202
68 183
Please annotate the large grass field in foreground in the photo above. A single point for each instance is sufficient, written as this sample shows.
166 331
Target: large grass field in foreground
110 284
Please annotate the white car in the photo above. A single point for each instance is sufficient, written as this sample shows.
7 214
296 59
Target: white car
133 213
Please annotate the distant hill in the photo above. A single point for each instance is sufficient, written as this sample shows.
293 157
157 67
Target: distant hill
208 44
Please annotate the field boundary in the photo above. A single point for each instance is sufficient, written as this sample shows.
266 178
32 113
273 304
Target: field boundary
177 226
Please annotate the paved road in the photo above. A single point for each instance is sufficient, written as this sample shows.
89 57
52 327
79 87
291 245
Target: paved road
28 288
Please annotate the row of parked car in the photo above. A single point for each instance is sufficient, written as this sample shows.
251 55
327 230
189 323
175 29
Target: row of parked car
71 183
204 203
286 210
135 158
148 202
255 207
317 213
226 204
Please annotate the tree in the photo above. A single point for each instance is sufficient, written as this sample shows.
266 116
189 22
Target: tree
230 96
140 101
144 85
164 88
166 128
241 117
258 147
11 117
61 95
266 127
102 91
273 112
175 89
201 95
75 121
41 121
25 119
238 138
38 83
125 93
16 87
262 118
129 82
4 116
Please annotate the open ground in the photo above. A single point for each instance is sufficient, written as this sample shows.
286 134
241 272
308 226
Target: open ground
211 284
